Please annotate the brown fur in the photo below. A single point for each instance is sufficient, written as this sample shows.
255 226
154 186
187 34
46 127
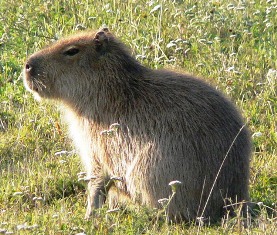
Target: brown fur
172 126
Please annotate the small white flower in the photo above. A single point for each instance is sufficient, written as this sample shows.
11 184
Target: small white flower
230 6
200 221
61 152
271 78
257 134
115 126
240 8
110 132
90 177
113 210
105 132
81 174
174 185
163 201
9 232
140 57
32 227
37 199
202 40
230 69
260 204
117 178
171 44
21 226
157 7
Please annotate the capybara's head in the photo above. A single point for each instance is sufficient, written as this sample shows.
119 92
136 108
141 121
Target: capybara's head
72 64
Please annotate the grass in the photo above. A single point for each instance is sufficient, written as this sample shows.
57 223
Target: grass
232 45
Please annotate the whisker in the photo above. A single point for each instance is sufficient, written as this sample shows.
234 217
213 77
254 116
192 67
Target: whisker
41 83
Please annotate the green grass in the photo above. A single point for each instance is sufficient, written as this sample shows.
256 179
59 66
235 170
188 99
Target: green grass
232 45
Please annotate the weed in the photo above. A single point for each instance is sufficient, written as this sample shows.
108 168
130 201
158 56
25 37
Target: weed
232 45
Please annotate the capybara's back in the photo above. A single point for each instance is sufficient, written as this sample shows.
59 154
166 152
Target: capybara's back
171 126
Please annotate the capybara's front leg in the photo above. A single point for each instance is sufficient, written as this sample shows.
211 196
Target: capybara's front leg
96 196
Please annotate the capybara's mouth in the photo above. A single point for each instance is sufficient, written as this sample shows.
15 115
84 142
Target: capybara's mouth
33 78
31 83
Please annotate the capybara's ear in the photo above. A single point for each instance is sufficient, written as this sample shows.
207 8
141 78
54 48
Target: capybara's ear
101 38
105 29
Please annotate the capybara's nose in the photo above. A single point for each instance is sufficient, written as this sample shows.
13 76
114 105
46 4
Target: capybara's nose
28 67
31 67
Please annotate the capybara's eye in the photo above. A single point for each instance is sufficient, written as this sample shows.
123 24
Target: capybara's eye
71 51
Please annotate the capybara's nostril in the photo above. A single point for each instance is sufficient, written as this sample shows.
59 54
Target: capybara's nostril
28 67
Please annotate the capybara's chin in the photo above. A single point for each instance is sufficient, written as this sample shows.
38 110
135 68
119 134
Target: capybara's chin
33 87
169 126
38 90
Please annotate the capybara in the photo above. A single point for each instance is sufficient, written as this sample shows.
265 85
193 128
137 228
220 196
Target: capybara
167 126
